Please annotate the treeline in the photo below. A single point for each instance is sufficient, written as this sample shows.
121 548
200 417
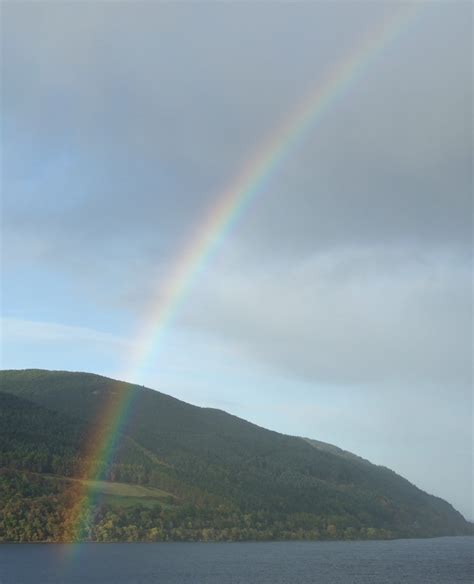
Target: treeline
36 508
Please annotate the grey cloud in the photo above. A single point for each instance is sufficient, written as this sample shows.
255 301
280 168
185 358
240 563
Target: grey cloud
372 317
130 119
158 107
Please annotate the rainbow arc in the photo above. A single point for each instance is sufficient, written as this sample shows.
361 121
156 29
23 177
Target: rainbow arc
220 219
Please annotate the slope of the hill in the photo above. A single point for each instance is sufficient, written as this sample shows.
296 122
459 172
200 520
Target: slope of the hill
228 478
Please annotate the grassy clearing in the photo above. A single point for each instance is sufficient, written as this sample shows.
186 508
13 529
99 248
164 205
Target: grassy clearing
125 490
123 494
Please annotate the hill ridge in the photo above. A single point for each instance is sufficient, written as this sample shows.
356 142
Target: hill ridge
261 483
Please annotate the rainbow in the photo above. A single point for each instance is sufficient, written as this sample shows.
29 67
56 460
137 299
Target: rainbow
226 211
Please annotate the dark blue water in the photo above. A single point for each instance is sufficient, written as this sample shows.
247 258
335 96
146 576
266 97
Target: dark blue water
425 561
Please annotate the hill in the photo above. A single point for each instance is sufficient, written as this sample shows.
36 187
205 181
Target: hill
207 474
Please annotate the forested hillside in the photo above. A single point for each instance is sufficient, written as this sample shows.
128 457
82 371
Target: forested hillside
181 472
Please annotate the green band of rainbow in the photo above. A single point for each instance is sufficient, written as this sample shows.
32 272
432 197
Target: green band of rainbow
219 221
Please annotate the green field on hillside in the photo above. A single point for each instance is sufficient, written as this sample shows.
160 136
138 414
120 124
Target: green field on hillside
123 494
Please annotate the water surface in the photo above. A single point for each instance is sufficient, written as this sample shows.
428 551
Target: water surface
447 560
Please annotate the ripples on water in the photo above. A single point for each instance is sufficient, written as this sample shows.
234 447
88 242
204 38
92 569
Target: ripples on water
447 560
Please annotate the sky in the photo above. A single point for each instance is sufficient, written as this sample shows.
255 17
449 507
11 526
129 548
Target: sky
339 305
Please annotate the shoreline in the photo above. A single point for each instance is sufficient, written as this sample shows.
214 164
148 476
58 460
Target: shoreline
235 541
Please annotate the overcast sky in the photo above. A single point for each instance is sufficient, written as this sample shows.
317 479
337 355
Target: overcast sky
339 306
